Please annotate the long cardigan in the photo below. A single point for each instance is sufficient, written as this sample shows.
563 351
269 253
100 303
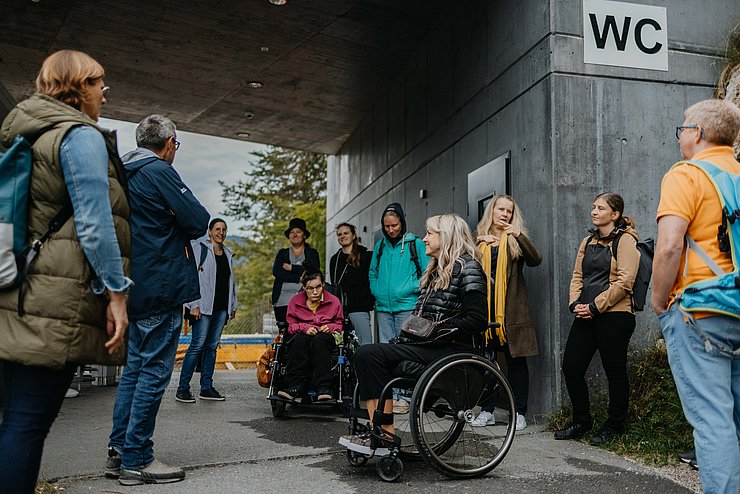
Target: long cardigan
520 333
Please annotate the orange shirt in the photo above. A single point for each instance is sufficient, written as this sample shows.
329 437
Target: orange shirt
686 192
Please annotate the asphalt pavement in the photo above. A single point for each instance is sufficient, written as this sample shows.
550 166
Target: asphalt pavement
237 446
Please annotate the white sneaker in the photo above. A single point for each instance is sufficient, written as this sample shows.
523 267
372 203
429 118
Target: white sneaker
400 407
521 422
484 419
71 393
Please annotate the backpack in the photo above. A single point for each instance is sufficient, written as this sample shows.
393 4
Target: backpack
414 256
15 254
721 293
646 248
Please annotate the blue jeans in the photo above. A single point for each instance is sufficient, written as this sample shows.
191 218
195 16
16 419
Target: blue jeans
708 383
33 397
152 344
361 322
389 324
203 345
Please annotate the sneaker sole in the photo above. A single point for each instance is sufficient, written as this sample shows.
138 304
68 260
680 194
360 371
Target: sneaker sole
182 400
365 450
211 399
472 424
112 474
139 481
285 396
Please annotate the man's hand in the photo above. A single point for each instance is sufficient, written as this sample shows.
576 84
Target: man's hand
195 312
116 321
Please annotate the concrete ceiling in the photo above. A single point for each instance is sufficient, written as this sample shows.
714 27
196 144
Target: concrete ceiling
322 62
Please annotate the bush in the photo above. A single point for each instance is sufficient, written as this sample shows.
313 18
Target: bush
656 429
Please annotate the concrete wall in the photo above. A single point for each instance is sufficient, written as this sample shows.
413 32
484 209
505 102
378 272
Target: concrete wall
508 75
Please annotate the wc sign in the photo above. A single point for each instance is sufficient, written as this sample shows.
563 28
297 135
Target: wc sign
625 35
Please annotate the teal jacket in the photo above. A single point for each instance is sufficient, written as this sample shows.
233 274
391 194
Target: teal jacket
394 283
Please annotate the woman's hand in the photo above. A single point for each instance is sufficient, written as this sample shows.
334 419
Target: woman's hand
287 266
311 331
195 312
582 311
512 230
325 329
116 321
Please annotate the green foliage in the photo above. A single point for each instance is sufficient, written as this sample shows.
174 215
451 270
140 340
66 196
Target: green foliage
656 429
282 184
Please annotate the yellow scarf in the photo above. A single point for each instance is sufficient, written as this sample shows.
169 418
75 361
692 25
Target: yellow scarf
499 287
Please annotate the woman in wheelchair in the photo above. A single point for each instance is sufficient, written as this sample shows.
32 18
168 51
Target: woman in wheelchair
314 316
453 294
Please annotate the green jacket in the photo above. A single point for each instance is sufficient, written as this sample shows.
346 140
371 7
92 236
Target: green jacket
64 321
393 280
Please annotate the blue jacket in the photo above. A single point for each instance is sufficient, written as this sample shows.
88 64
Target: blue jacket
394 281
165 216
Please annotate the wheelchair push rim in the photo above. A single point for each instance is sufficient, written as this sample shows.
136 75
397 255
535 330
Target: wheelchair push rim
446 400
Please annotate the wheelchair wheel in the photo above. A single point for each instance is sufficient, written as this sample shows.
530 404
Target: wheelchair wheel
356 459
278 408
389 468
447 398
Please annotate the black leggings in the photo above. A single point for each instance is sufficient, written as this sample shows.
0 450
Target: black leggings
609 333
374 363
310 352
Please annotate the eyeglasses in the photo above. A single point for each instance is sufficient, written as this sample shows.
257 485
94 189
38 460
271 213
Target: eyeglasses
105 91
177 144
681 128
314 288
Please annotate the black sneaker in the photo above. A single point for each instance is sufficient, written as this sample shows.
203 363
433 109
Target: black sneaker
290 393
185 397
211 394
604 436
693 464
574 430
155 473
324 395
113 464
687 456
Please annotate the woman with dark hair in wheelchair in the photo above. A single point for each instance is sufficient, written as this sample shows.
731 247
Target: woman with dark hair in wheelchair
453 295
314 316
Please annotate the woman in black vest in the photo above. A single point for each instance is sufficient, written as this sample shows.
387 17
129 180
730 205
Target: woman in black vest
288 266
349 269
453 292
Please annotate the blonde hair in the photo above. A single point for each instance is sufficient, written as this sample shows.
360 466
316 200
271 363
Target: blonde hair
485 226
719 119
455 240
64 74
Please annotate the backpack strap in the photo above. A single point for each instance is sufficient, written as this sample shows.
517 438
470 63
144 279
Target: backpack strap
203 255
415 257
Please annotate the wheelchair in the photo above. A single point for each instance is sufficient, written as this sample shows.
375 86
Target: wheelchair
343 375
445 398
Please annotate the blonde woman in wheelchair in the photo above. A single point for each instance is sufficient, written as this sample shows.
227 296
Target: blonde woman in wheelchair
453 294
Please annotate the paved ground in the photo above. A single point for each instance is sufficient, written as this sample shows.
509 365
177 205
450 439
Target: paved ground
237 446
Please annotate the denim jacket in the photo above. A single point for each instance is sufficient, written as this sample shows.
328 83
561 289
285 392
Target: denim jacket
88 190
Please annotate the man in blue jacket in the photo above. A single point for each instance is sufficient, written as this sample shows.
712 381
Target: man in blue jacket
165 216
399 259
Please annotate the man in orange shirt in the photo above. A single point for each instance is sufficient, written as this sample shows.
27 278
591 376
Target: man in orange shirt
708 381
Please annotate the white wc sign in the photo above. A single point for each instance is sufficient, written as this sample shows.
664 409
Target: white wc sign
625 35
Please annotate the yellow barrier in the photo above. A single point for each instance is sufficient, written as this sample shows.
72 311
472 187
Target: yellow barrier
231 355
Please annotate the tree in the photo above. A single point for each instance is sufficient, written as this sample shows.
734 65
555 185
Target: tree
281 185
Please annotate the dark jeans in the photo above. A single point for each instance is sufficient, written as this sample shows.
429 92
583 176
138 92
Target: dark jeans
609 333
33 397
315 350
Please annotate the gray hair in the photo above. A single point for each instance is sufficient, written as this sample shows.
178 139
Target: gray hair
154 131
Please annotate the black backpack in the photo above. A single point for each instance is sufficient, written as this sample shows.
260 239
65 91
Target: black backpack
646 249
414 256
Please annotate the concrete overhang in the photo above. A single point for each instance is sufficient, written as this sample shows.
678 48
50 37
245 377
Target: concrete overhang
321 62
